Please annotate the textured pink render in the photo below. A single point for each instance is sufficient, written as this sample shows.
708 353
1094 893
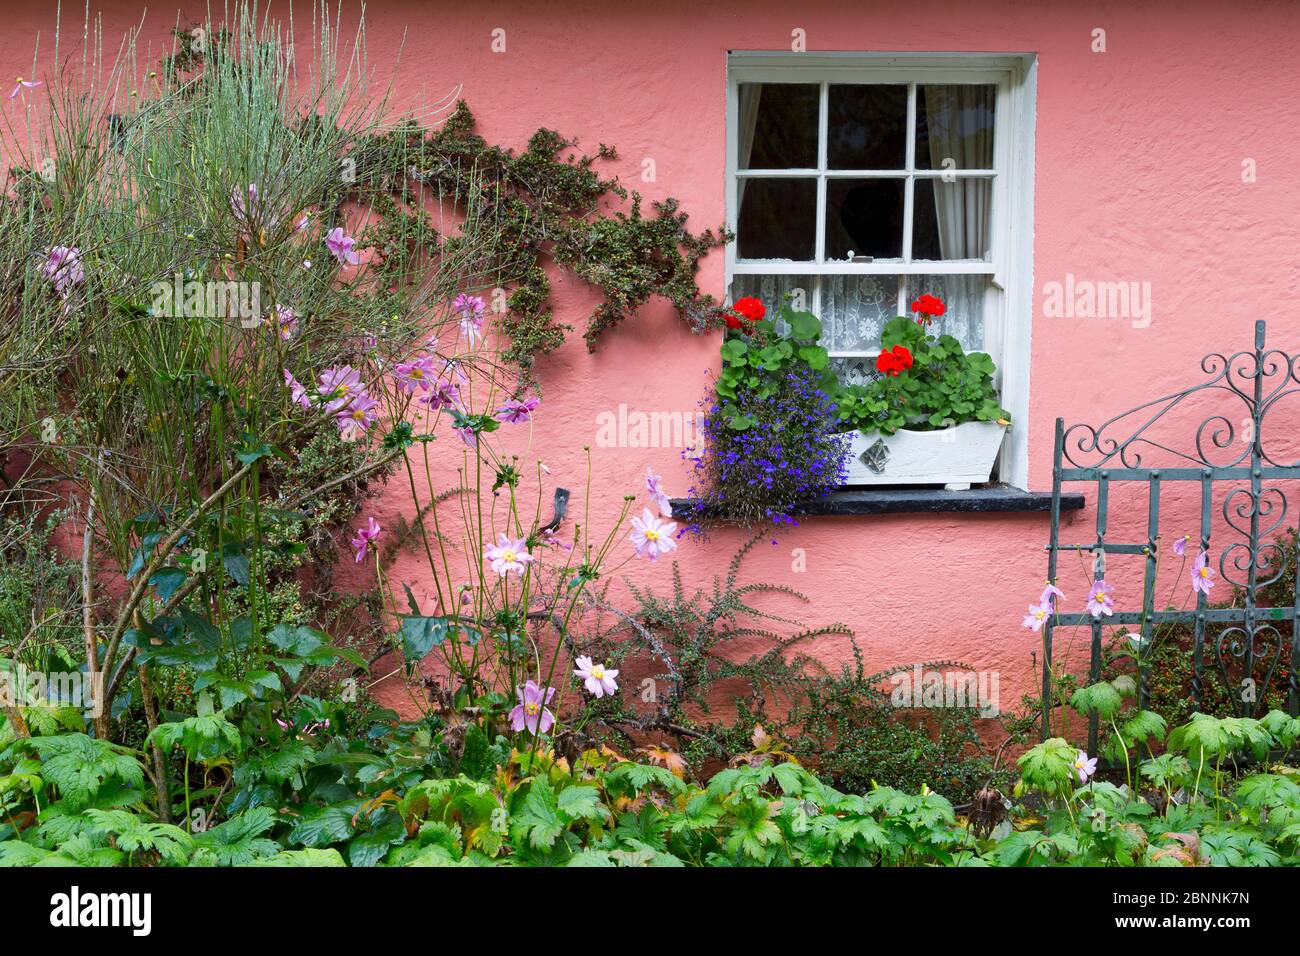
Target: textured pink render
1139 178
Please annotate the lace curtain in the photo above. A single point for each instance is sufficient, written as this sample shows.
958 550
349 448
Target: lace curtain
854 309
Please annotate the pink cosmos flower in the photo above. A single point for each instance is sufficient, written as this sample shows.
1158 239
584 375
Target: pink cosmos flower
1202 574
306 731
515 411
652 485
63 267
1085 766
507 555
297 392
652 537
471 309
339 385
417 374
24 84
357 417
531 711
1038 615
446 395
551 539
341 247
365 536
1099 600
286 320
454 369
1180 545
597 679
1050 594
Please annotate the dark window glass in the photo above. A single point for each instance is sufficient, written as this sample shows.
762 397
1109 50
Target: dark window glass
866 127
777 126
864 216
777 220
955 123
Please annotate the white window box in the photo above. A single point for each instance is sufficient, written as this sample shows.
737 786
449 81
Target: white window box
955 457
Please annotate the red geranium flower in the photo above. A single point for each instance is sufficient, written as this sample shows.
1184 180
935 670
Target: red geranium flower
732 321
895 361
928 307
749 307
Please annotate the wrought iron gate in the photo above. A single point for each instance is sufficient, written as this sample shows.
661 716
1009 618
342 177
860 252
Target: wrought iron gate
1229 446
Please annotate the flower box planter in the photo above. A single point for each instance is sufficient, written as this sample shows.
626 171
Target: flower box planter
955 457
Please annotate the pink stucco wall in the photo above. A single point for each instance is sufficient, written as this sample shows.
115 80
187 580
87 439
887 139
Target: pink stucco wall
1139 165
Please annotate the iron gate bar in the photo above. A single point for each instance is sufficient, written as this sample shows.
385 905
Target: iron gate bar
1250 640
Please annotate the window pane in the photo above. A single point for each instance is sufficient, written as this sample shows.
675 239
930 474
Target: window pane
864 217
855 310
951 220
777 126
955 123
964 297
866 127
777 219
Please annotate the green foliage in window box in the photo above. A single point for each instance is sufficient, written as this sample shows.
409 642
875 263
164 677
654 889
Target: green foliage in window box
944 385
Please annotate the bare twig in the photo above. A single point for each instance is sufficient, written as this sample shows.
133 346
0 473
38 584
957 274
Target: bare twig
159 763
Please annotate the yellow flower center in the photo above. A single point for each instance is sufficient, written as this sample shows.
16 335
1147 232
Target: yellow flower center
1040 614
358 415
508 555
651 534
532 709
1100 597
416 373
598 672
1205 572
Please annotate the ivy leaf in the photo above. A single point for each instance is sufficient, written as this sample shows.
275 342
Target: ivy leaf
167 581
236 565
299 641
321 826
369 848
421 633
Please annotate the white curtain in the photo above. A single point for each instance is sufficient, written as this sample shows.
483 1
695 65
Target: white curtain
959 120
746 124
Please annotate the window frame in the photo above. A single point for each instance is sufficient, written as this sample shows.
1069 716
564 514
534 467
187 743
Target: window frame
1008 303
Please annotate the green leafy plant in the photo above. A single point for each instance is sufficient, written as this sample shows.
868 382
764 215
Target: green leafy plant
938 384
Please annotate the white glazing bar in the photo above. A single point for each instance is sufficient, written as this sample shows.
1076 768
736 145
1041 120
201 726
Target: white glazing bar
775 173
823 113
909 188
790 267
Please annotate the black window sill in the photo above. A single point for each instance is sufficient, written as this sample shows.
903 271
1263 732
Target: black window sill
990 499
